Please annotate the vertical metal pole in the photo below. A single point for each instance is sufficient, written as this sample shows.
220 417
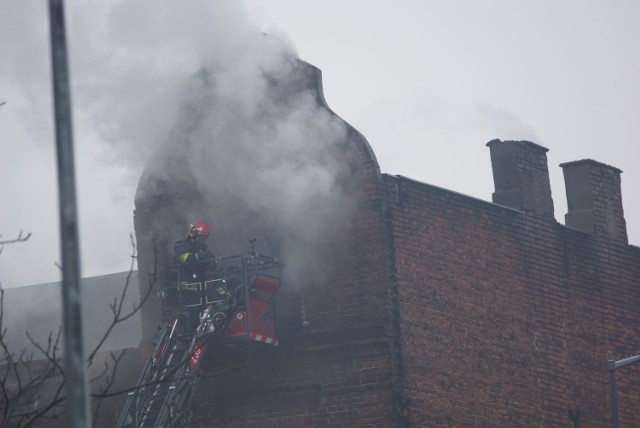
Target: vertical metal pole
615 419
76 385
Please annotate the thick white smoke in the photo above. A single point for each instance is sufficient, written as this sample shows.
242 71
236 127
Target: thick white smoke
198 94
266 163
136 68
252 139
132 58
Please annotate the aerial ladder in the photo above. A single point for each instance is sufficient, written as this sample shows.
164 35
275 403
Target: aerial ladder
232 303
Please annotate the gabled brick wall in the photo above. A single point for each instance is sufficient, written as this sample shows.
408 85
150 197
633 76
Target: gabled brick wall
474 313
339 369
430 308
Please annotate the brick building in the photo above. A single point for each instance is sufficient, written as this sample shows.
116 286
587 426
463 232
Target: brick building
428 308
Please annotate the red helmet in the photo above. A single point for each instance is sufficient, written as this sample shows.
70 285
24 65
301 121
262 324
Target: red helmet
199 230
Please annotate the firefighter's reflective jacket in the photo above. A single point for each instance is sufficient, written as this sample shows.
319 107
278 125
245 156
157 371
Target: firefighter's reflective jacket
195 259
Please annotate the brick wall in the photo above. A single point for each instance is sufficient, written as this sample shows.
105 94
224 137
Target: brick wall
475 313
508 319
341 370
337 379
467 312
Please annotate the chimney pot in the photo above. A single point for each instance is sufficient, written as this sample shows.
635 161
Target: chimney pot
521 176
594 199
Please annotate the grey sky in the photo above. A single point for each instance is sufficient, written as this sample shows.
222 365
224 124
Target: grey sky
427 83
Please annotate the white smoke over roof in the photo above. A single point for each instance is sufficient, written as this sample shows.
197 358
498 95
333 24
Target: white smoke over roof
410 84
260 150
135 55
195 93
132 67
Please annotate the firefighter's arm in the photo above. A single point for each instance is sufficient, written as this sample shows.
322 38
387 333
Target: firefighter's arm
207 256
187 258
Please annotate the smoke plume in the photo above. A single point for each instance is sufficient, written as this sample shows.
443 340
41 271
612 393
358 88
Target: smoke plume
259 154
240 140
192 92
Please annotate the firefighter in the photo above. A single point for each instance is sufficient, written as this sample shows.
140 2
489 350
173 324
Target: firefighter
193 255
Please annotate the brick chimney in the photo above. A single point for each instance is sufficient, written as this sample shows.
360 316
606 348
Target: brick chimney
594 199
521 177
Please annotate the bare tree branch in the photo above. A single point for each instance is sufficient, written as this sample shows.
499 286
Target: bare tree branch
25 384
37 391
21 383
117 306
116 359
20 238
53 369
